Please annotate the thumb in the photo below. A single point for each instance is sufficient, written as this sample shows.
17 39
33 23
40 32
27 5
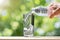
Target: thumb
56 12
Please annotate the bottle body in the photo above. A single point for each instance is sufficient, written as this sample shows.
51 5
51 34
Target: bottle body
40 11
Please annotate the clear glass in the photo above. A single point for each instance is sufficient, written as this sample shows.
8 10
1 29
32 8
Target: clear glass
28 28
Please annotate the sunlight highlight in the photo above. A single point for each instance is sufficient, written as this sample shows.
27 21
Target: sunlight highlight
4 3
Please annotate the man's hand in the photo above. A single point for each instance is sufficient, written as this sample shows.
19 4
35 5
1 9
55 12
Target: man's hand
54 9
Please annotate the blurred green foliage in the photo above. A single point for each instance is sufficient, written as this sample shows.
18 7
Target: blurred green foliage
11 22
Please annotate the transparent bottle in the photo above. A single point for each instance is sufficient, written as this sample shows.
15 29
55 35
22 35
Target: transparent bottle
40 11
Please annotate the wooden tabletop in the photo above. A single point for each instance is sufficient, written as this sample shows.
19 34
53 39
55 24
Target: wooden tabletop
29 38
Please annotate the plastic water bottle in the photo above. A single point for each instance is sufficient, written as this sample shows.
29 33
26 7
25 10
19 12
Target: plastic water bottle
40 11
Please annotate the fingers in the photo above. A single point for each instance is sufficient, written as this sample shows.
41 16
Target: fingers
56 12
50 9
53 6
53 10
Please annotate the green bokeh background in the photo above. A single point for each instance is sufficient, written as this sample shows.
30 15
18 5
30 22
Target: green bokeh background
11 23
